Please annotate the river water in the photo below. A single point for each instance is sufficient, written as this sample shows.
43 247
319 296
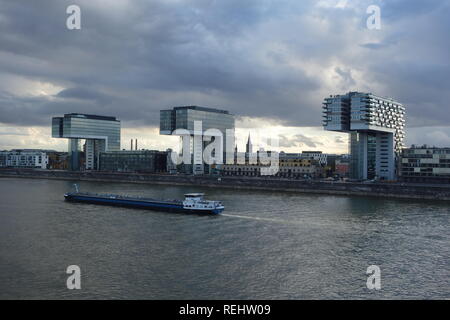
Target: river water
266 245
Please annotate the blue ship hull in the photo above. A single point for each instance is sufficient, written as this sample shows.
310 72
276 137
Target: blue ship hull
141 203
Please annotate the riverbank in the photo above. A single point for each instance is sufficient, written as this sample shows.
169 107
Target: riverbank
383 190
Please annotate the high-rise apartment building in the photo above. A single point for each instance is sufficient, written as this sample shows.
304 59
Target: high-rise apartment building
376 126
100 132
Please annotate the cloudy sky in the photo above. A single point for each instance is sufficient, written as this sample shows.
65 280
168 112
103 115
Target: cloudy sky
270 63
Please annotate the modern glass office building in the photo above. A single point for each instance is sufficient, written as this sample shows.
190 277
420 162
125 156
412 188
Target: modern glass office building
148 161
185 118
376 126
100 132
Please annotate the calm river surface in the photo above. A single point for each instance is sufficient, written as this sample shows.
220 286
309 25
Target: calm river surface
266 245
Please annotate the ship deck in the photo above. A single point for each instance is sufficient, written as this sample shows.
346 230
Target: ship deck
123 197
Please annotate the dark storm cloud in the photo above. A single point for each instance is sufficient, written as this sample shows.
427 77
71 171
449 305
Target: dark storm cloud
411 62
82 93
258 58
37 110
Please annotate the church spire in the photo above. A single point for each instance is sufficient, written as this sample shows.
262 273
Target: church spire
249 146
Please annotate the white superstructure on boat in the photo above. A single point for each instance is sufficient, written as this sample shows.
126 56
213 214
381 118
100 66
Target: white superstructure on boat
195 202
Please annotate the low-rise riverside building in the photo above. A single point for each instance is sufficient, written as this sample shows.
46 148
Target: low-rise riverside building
289 166
342 167
24 158
3 156
425 164
58 160
145 161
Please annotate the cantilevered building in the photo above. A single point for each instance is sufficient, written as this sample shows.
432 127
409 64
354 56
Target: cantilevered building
185 118
376 126
100 132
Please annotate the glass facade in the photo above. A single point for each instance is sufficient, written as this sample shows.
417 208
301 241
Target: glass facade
210 120
185 118
149 161
167 121
336 113
57 127
371 155
100 132
83 127
356 155
74 154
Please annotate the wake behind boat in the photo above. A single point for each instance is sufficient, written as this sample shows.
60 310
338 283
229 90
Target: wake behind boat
193 202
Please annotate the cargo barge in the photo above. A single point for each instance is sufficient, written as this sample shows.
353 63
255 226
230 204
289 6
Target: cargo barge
193 202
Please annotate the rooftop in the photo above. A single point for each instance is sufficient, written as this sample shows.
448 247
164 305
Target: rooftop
89 116
202 109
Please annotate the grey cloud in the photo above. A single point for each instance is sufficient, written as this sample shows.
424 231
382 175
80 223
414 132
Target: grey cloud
407 9
308 141
339 140
12 134
433 136
346 76
83 94
374 45
386 42
299 140
285 142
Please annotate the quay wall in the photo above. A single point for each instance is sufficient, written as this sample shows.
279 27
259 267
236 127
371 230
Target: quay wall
384 190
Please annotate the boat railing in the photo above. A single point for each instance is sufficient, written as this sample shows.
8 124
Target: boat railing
208 203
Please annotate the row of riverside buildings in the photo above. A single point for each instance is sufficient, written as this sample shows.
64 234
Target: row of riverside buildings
145 161
375 126
305 165
423 164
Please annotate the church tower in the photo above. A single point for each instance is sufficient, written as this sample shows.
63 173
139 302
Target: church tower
249 146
